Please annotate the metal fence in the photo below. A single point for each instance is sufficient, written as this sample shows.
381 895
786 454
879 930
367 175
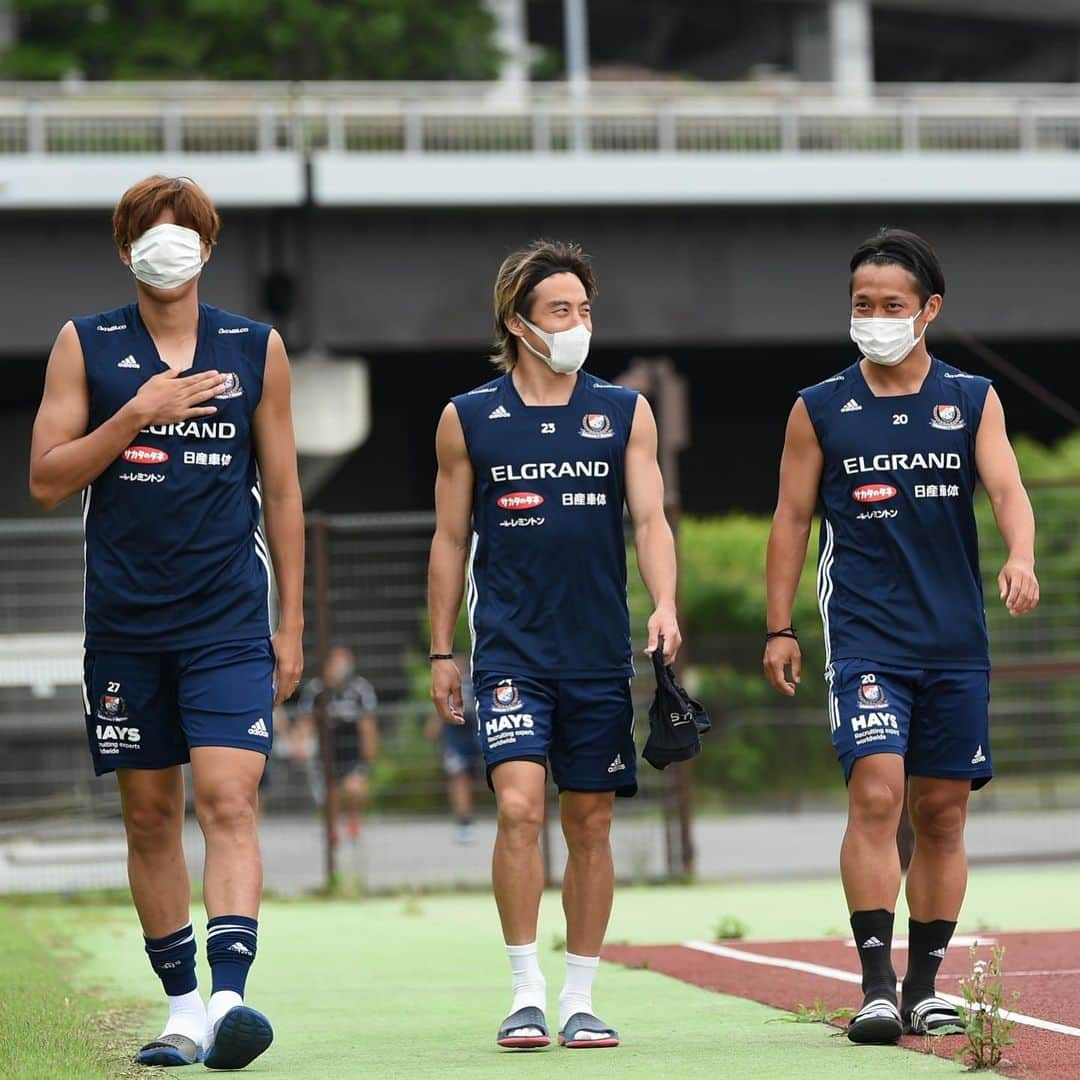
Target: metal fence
59 826
549 118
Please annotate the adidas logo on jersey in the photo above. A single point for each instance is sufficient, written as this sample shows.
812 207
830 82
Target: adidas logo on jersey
979 757
617 765
851 406
259 728
129 361
873 943
499 413
237 947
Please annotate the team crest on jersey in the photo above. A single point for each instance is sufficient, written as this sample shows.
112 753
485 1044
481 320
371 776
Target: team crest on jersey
947 418
596 426
112 705
232 385
506 697
872 696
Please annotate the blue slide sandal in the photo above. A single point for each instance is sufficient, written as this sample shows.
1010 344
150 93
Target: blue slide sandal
241 1035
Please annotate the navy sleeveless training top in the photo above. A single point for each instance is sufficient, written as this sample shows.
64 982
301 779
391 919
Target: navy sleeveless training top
898 574
174 555
547 566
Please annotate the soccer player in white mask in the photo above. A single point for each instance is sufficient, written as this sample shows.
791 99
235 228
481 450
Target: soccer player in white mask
172 418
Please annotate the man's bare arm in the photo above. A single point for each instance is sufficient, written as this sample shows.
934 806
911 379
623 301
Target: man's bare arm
283 512
652 534
446 567
1000 475
800 479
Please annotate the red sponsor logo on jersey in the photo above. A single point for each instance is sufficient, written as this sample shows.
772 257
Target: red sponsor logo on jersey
871 493
145 455
519 500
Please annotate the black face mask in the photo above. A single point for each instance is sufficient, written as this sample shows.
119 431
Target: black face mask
676 720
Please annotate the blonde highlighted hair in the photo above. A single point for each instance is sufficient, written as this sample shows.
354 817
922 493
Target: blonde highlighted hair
520 273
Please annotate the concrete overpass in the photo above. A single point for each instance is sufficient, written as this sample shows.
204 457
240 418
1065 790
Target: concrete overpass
370 221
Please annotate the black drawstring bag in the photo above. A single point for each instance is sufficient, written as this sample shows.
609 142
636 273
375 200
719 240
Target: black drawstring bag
676 720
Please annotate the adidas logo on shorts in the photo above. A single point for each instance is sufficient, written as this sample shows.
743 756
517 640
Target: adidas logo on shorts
979 757
873 943
617 765
851 406
259 728
499 413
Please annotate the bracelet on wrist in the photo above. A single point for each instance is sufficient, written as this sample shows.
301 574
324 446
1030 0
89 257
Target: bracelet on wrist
441 656
787 631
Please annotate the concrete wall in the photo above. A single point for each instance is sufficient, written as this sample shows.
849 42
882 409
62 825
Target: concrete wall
669 277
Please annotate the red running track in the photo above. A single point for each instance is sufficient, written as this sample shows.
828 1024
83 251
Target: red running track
1044 967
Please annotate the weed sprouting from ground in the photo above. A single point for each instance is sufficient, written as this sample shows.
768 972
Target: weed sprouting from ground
987 1032
818 1013
731 928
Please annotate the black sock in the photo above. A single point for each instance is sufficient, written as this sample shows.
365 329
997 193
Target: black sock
873 938
927 942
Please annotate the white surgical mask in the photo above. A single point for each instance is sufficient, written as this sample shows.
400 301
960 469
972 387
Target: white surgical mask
568 348
886 341
166 256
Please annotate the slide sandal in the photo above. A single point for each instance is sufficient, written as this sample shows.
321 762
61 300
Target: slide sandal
529 1017
570 1036
170 1050
241 1035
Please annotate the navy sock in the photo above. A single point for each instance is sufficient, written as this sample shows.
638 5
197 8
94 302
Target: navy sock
873 932
231 943
927 942
173 959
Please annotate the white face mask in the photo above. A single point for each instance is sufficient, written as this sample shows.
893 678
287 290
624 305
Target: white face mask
166 256
886 341
568 348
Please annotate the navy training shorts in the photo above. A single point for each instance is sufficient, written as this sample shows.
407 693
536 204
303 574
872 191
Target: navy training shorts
937 720
146 710
583 727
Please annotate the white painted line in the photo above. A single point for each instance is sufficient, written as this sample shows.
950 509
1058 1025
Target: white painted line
965 940
851 977
1018 974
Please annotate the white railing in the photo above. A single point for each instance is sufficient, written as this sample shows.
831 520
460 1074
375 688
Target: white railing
459 118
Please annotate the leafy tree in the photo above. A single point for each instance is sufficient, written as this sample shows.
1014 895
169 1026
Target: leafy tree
252 39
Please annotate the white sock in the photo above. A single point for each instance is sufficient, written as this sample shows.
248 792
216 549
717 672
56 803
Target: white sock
576 993
187 1017
220 1003
530 988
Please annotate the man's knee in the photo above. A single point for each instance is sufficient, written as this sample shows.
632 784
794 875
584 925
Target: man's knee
520 816
152 822
227 808
938 818
587 823
874 802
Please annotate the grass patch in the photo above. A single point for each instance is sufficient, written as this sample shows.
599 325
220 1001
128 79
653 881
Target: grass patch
51 1029
818 1013
731 928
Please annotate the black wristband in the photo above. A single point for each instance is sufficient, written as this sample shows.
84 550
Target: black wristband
788 631
441 656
